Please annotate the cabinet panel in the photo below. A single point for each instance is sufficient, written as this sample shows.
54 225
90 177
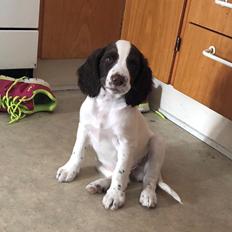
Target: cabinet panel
153 25
18 49
19 14
201 78
211 15
72 29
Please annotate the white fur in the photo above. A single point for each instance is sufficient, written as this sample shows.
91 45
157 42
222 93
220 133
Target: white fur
122 139
120 67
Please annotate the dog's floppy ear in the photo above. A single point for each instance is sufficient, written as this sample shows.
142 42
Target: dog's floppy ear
89 76
141 86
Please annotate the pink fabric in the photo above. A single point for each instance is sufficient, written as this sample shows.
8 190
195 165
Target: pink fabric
21 89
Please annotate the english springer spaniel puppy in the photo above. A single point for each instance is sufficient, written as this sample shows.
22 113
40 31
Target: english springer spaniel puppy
116 79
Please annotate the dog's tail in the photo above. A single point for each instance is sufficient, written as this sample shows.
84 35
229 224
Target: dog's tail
169 190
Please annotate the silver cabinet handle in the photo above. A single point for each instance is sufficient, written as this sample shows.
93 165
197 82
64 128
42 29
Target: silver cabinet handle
210 53
224 3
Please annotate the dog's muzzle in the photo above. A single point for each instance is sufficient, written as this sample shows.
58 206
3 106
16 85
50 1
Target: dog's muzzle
118 80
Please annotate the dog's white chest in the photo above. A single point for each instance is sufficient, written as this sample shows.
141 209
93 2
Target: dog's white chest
103 122
104 143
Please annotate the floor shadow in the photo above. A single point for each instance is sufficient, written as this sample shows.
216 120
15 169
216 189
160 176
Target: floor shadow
154 98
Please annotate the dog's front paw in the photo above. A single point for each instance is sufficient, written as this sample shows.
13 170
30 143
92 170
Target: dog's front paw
67 172
148 198
114 199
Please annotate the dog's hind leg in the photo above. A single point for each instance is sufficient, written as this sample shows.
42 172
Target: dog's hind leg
99 186
152 171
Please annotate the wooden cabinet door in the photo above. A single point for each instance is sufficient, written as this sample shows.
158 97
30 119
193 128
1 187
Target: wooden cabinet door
209 14
153 26
74 28
201 78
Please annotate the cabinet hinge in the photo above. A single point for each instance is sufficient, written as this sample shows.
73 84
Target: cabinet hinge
178 43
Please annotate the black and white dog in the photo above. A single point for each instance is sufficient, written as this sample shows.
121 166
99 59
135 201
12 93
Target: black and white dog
117 78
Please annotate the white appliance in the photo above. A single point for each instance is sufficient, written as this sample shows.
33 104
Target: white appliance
19 33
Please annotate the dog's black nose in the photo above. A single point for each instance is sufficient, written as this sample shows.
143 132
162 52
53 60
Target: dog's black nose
117 80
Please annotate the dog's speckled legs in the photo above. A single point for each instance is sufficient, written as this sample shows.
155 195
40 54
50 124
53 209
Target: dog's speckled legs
152 172
115 196
98 186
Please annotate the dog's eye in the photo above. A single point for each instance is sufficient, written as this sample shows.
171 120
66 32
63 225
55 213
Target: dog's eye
108 60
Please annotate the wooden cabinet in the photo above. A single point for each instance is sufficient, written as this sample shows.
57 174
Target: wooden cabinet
201 78
204 79
153 26
74 28
210 15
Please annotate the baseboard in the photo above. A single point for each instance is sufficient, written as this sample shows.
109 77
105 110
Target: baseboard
194 117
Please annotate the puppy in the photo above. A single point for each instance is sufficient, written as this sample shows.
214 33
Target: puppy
116 79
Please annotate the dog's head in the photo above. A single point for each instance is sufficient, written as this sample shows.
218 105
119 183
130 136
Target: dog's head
120 69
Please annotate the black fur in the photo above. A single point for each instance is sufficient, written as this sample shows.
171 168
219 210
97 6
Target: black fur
93 72
141 78
89 74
